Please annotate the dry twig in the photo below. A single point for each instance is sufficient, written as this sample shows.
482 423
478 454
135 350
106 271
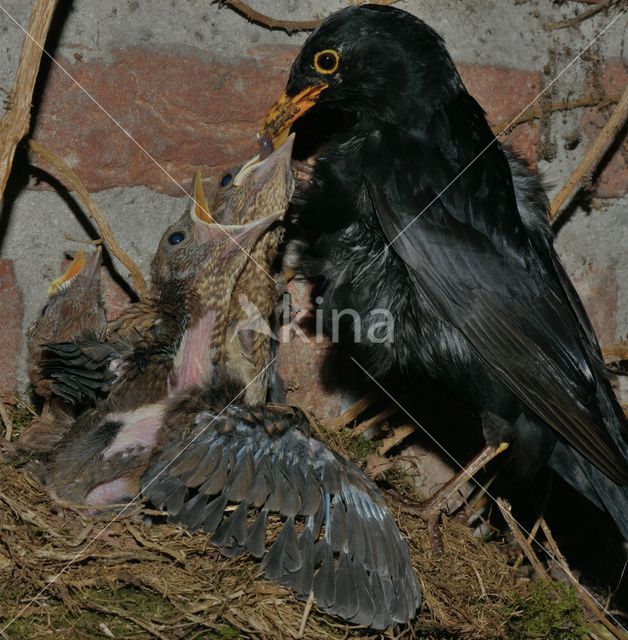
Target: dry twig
616 352
8 423
16 121
589 13
593 156
504 507
75 184
536 112
590 603
290 26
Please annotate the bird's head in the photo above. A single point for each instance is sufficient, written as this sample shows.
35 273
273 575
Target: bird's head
375 62
202 254
257 188
74 303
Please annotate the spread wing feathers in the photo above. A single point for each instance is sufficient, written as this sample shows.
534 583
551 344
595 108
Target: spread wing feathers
79 371
515 310
228 473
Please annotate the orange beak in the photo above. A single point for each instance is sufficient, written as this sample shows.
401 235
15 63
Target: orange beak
74 268
286 111
201 208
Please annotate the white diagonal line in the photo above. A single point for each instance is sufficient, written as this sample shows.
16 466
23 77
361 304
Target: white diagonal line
490 144
486 491
128 504
131 138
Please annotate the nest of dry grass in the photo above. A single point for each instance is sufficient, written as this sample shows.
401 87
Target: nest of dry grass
69 574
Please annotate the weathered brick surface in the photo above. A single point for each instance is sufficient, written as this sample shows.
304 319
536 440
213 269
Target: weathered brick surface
612 180
302 362
597 287
11 312
115 297
186 111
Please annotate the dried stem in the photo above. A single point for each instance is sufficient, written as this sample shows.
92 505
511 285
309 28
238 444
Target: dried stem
592 605
536 112
592 157
73 181
504 507
16 121
8 423
270 23
585 15
290 26
616 352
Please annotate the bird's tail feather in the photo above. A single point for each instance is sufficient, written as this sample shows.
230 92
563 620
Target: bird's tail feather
589 481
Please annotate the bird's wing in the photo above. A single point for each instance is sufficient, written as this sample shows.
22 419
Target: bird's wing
468 254
80 371
230 473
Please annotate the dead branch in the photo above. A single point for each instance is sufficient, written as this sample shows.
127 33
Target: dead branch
504 507
5 418
535 113
290 26
103 226
585 15
616 352
256 17
353 412
16 121
592 605
592 157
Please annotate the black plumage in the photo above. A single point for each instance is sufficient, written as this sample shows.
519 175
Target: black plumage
416 208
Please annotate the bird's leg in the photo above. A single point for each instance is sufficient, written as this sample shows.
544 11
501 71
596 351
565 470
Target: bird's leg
430 509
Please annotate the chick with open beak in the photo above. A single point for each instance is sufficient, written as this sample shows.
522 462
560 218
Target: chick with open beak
247 343
194 272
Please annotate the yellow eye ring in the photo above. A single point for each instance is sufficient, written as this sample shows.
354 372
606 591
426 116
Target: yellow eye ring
327 61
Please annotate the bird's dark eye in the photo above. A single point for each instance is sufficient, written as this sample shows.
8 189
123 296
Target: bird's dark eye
327 61
176 237
226 180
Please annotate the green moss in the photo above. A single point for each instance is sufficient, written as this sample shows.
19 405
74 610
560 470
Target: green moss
21 417
358 447
402 482
547 610
225 632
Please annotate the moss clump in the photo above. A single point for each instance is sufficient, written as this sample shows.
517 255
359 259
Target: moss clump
21 417
402 482
547 610
358 447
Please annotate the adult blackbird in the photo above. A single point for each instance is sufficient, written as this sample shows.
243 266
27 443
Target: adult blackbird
412 208
74 309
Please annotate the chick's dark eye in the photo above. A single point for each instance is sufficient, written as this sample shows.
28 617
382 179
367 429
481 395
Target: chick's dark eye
176 237
327 61
226 180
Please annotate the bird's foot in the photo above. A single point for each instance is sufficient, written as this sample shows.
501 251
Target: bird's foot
430 510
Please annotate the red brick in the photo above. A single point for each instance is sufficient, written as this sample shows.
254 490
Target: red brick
503 94
300 361
611 181
116 298
597 287
11 314
186 110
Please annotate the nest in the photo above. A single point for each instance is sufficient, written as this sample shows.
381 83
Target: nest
71 574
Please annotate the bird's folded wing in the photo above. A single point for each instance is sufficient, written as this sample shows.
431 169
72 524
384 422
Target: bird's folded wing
514 309
79 371
231 472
